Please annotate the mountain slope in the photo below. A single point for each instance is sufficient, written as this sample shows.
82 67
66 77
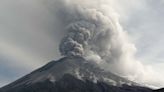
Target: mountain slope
73 74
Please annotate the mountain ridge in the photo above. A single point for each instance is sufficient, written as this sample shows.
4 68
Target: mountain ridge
72 71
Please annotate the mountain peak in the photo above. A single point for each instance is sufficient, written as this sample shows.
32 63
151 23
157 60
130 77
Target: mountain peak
77 69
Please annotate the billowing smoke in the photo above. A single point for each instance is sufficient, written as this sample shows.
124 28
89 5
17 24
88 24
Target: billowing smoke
91 29
76 40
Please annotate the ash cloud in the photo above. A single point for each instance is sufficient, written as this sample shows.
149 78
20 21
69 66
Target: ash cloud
76 40
91 29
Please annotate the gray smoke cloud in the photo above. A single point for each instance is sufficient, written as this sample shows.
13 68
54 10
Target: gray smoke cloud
94 32
91 29
76 40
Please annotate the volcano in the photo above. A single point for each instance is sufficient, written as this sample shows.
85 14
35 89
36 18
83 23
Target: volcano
72 74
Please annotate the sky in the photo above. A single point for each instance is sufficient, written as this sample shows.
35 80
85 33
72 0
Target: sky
28 40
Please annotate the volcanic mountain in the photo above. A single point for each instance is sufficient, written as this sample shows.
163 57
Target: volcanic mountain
72 74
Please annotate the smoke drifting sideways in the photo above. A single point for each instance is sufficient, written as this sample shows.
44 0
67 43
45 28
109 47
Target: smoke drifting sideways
91 29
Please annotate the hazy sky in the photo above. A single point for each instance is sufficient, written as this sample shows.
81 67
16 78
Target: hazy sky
28 40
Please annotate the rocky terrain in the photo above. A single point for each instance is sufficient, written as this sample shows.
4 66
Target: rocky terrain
73 74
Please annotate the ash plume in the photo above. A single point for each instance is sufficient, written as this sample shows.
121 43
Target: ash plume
92 33
77 38
91 29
